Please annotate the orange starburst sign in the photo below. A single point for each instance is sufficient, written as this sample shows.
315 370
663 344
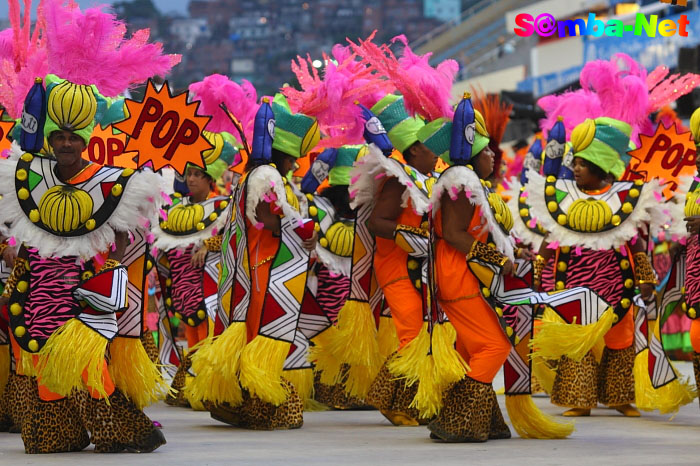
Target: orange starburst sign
667 155
107 148
5 129
165 130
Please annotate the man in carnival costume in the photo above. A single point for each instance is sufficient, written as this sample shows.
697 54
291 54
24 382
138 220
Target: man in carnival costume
67 212
270 252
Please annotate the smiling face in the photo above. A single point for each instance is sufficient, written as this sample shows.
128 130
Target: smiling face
67 147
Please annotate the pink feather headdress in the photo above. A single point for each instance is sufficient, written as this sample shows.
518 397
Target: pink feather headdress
84 47
619 88
240 99
332 99
427 91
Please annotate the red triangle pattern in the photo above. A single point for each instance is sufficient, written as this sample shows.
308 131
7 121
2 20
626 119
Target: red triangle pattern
570 310
310 306
100 283
271 311
622 195
106 188
510 376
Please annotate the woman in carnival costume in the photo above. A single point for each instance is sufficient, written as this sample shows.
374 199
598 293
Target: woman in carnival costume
190 241
598 219
270 250
470 264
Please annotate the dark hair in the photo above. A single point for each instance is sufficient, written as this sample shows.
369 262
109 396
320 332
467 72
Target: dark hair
595 170
276 158
340 198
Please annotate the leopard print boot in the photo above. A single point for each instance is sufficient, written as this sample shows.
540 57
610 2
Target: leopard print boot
19 392
225 413
150 346
335 396
117 426
260 415
466 413
176 395
616 377
499 429
696 366
575 383
52 427
392 397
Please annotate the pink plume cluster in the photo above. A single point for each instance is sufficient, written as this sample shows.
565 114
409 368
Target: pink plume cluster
90 48
23 56
84 47
619 88
240 99
332 98
427 91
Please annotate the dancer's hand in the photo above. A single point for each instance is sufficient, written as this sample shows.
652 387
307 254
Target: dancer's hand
508 268
9 255
199 257
310 244
647 290
693 224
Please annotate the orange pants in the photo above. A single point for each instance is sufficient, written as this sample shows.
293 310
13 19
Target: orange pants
47 395
196 334
695 335
480 338
621 335
406 306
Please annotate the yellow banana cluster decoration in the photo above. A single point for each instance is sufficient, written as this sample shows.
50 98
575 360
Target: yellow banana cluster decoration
340 238
72 106
184 218
589 215
65 209
501 211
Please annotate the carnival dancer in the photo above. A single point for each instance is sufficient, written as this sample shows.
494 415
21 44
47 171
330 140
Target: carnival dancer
687 263
272 254
65 217
190 240
597 222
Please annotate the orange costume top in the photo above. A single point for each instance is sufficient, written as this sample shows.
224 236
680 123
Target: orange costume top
390 259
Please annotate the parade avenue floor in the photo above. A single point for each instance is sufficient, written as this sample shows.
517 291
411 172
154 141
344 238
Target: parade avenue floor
365 437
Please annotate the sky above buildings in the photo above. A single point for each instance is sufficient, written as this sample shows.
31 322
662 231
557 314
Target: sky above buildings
165 6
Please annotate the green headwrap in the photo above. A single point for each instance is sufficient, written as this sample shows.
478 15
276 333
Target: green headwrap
401 128
603 142
295 133
340 173
437 135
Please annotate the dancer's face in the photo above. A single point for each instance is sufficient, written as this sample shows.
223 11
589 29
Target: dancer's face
198 182
483 163
422 158
585 178
67 147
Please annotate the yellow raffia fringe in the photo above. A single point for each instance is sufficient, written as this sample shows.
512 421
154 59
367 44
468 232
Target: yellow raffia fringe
387 338
25 364
529 422
4 366
216 364
356 345
408 361
323 359
262 361
666 399
134 373
195 404
544 374
556 339
71 349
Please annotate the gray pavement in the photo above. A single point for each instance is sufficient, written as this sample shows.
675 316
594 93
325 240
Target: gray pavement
365 437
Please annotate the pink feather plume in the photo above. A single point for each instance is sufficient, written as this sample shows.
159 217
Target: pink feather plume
90 48
427 91
240 99
332 99
618 88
